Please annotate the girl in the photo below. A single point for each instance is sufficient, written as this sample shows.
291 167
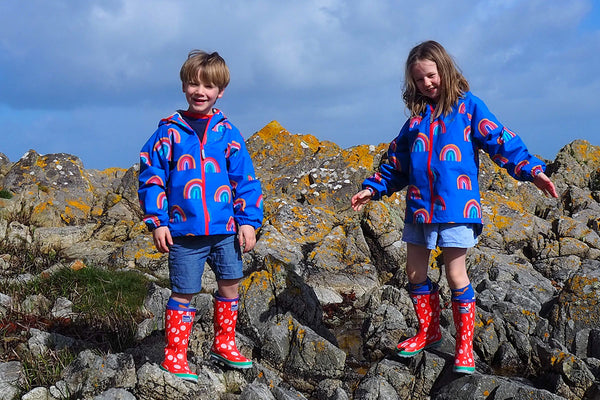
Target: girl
436 157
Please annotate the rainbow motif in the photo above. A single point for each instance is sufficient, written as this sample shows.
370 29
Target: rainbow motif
439 203
462 108
163 147
145 158
211 165
507 135
155 180
175 135
499 159
450 152
421 216
177 214
463 182
223 194
231 225
486 126
232 148
520 166
239 205
221 126
259 202
413 193
535 171
151 219
472 209
467 134
435 176
186 162
414 122
193 189
393 147
421 143
393 160
438 127
161 201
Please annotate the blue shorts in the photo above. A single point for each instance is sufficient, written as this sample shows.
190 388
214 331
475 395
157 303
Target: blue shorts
442 235
188 254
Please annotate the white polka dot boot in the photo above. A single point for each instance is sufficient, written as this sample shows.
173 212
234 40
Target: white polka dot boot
224 349
427 308
464 321
178 326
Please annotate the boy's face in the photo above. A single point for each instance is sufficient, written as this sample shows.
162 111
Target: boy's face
201 97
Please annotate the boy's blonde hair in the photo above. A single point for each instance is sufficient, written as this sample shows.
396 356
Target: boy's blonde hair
208 68
453 83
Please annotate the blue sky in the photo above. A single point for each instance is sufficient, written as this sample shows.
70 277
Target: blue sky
93 78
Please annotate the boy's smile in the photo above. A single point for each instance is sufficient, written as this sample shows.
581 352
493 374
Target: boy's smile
201 97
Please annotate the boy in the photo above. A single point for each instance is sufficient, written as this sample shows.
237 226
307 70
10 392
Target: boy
197 187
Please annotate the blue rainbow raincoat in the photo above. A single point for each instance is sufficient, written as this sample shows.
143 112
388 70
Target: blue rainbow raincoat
198 187
437 160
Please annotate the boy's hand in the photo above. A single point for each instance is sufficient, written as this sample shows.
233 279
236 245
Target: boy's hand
162 238
360 199
545 184
247 237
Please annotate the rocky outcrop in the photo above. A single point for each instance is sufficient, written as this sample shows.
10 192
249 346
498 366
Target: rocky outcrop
323 302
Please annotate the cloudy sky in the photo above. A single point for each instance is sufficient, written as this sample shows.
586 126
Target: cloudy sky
92 78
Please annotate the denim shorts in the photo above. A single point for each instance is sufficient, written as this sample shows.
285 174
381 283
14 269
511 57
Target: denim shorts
442 235
188 254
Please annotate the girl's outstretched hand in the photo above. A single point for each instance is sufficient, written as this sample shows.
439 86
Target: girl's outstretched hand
545 185
360 199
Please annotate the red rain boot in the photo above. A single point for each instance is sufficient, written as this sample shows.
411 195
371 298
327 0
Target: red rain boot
224 348
178 326
427 308
464 321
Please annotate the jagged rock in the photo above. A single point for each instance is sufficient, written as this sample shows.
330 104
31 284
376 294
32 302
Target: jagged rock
482 386
40 342
115 394
11 377
156 384
296 349
38 393
91 374
323 302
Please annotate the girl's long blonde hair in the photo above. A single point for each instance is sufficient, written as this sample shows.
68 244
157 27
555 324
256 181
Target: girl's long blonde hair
453 83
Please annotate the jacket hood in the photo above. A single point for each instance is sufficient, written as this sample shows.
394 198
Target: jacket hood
177 119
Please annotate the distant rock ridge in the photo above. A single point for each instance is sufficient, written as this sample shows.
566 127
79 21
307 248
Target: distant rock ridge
323 302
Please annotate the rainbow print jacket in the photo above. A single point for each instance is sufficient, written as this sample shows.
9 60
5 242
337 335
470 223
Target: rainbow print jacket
198 188
438 161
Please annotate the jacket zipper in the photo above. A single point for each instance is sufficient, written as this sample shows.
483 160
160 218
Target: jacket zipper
202 172
429 171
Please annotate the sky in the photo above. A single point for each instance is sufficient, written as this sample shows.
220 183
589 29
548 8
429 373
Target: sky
93 78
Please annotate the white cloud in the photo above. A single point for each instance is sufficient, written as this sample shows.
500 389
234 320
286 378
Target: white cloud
331 68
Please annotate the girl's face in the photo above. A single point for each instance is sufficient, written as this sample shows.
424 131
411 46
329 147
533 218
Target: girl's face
427 78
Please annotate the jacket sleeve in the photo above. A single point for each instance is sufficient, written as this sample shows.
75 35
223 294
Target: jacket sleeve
504 147
393 174
247 191
153 178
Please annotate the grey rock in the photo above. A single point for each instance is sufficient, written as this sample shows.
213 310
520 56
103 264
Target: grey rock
11 377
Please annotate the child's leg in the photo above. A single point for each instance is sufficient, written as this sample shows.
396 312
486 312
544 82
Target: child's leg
463 308
226 261
187 256
456 269
426 301
417 263
228 288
